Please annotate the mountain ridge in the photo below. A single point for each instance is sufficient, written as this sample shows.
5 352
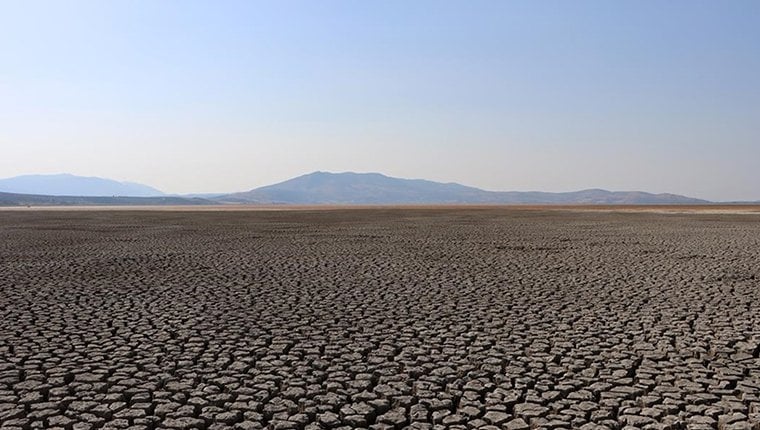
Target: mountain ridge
66 184
375 188
321 188
14 199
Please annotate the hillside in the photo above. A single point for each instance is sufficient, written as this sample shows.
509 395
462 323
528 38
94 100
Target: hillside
12 199
375 188
71 185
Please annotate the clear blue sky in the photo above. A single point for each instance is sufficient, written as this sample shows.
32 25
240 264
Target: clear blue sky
189 96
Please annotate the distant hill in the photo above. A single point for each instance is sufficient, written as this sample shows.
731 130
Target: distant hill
357 188
312 189
11 199
375 188
598 197
70 185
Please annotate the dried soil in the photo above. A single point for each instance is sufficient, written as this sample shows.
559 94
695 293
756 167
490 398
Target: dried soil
380 318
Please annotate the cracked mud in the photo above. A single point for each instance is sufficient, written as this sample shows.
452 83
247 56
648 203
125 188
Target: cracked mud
379 319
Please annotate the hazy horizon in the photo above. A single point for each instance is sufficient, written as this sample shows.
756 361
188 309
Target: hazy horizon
222 192
197 97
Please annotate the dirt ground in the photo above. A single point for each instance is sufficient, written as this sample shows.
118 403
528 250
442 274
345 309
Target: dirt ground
381 318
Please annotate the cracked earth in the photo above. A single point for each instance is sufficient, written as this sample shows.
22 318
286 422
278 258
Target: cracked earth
379 319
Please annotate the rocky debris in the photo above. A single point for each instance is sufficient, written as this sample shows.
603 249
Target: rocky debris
379 319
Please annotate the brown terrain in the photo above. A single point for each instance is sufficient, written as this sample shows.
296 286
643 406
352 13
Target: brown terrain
380 318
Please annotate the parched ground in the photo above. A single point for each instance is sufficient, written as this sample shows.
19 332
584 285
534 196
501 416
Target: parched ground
381 319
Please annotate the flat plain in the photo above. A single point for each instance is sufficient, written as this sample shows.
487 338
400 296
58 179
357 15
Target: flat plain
383 318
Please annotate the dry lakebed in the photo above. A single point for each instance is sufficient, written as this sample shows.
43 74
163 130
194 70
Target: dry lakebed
380 318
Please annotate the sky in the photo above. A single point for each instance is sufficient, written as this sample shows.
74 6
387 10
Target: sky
222 96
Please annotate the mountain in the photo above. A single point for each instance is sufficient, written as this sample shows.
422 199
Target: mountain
358 188
375 188
597 197
12 199
70 185
313 189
